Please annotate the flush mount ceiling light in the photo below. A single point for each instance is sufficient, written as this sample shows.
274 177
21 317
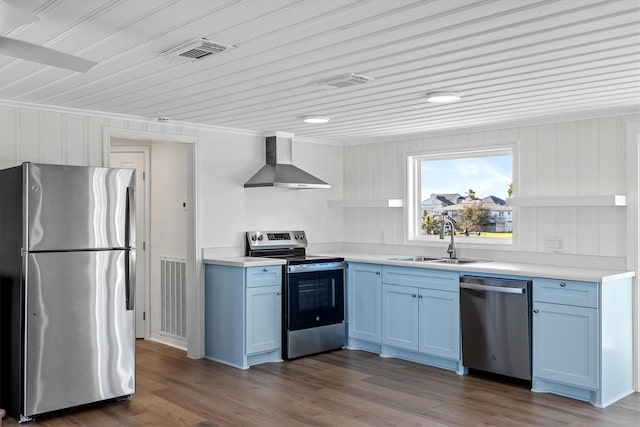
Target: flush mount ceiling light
316 119
442 97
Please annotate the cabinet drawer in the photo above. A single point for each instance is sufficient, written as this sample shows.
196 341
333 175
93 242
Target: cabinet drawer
421 278
264 276
567 292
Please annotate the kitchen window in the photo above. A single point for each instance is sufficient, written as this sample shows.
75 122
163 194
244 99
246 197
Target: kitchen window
469 188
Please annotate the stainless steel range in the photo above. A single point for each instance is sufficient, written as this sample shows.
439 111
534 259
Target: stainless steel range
313 292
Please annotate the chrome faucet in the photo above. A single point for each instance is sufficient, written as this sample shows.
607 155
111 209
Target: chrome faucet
451 250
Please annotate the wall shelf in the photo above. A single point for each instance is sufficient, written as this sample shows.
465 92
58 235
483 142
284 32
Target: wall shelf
558 201
381 203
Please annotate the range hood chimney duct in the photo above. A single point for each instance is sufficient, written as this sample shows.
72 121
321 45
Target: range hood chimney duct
279 170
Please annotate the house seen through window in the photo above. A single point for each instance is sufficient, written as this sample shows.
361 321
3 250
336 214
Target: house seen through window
469 188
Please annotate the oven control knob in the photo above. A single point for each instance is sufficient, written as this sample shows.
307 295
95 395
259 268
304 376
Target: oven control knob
260 237
253 237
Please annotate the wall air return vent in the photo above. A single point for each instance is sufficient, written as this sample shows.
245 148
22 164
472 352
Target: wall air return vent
344 80
197 49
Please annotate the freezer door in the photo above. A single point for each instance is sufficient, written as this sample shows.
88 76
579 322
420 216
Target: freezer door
80 342
77 207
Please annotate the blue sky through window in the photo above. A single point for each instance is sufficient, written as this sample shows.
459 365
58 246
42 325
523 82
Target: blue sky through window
487 176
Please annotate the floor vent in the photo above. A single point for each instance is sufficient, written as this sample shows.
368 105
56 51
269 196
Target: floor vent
344 80
173 304
197 49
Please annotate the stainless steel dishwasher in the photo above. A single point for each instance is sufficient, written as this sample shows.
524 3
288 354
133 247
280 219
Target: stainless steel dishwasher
496 325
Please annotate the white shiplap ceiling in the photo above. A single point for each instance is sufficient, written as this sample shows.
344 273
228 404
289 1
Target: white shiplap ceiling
512 60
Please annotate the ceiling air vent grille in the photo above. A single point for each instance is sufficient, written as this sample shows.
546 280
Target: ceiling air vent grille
344 80
197 49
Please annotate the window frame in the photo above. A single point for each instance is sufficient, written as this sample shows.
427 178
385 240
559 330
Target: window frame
414 194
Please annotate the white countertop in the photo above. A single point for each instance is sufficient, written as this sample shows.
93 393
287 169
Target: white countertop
497 267
244 261
493 267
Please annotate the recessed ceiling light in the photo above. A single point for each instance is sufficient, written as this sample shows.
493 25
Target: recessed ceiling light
316 119
441 97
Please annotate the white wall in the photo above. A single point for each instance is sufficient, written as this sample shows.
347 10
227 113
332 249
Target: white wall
30 135
227 209
585 157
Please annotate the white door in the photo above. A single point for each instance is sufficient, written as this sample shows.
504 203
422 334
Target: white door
137 160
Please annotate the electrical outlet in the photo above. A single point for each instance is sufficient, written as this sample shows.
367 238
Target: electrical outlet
553 244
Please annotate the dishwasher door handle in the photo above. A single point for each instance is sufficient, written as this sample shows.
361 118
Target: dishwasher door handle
501 289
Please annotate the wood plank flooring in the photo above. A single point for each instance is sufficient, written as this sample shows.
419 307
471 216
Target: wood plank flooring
342 388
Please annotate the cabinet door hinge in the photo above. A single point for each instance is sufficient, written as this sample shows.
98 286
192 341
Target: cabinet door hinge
144 246
144 315
144 175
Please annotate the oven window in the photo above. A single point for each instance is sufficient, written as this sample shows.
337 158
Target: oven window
312 295
315 299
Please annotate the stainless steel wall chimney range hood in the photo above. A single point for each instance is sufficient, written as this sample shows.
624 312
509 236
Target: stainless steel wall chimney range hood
279 172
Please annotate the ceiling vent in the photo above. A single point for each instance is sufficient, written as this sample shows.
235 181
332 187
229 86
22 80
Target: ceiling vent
197 49
344 80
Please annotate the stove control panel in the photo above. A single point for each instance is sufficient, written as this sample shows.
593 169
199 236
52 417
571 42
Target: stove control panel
276 239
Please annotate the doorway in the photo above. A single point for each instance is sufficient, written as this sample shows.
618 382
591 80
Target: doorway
138 158
165 215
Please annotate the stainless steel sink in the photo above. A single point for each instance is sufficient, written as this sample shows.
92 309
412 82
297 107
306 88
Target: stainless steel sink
415 258
457 260
437 259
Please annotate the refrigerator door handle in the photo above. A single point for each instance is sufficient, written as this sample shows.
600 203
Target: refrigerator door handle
130 220
130 279
130 236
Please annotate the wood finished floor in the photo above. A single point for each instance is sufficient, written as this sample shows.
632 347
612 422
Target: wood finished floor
342 388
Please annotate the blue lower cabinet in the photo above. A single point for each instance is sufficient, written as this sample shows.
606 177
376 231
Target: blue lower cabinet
439 325
423 320
421 316
400 316
264 314
566 344
582 339
243 314
364 306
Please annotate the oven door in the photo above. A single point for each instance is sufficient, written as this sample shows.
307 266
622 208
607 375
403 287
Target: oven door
315 295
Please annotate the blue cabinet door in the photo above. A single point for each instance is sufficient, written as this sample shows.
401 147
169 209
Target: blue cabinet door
263 319
439 326
364 288
400 316
565 344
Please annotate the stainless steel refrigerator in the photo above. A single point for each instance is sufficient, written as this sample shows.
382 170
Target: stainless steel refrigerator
67 286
